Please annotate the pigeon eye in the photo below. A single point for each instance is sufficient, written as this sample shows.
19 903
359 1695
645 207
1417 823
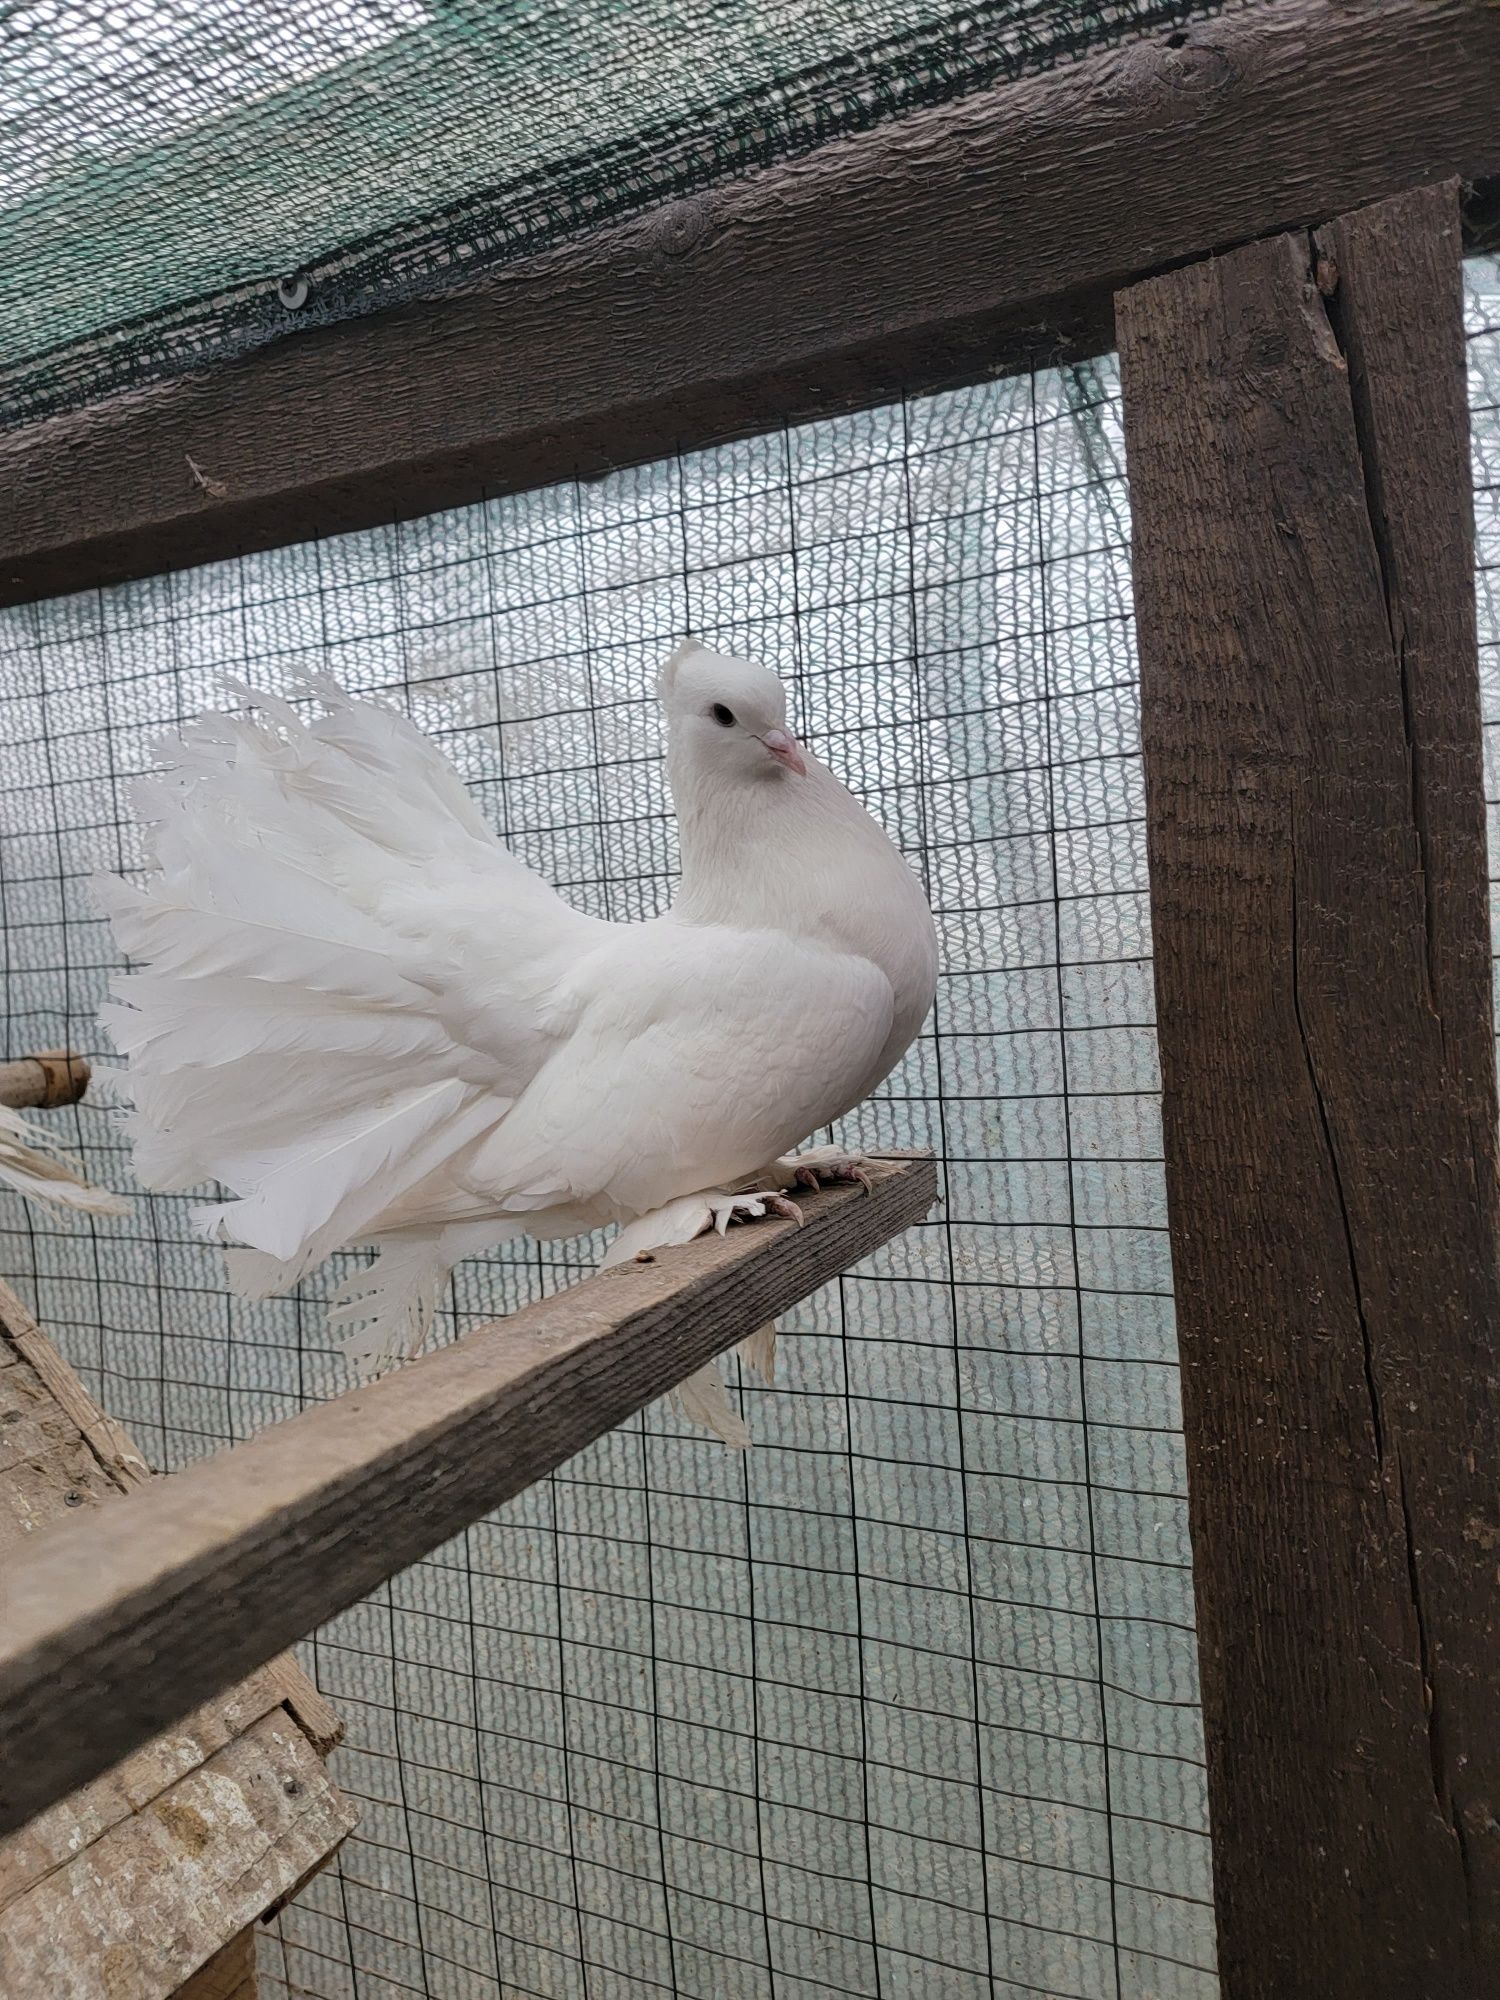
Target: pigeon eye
722 715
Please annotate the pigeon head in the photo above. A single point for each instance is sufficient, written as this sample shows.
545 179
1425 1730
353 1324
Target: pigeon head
727 716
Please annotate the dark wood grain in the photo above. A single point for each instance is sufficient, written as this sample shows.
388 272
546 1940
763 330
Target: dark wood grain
1298 448
113 1629
947 245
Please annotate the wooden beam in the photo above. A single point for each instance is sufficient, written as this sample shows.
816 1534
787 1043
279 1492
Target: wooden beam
1297 440
943 246
165 1887
112 1630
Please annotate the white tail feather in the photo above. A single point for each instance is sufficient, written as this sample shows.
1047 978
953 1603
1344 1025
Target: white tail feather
332 922
758 1351
702 1399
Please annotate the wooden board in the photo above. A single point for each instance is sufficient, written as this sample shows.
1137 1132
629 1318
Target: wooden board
62 1459
87 1457
167 1886
57 1837
206 1575
946 245
1298 452
77 1414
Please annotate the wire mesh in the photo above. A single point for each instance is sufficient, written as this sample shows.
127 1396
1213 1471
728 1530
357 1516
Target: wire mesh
904 1702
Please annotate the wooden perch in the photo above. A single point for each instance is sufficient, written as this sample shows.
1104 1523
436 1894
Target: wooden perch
114 1628
42 1082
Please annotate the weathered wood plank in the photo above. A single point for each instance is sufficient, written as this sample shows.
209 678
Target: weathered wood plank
59 1836
60 1453
109 1442
943 246
168 1885
1297 445
206 1575
320 1721
38 1490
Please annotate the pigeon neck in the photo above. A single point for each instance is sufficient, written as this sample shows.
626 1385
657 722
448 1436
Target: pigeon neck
747 847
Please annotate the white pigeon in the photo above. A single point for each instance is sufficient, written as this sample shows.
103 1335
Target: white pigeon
372 1024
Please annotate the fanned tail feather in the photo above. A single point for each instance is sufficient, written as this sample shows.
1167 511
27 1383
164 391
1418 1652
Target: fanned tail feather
758 1351
331 921
703 1400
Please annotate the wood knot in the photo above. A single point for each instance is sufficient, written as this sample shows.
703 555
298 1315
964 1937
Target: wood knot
1193 69
679 229
1172 76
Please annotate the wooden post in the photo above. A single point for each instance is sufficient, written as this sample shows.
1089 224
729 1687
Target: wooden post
1297 439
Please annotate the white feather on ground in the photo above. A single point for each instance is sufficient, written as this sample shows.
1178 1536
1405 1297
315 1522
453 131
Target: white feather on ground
32 1162
371 1023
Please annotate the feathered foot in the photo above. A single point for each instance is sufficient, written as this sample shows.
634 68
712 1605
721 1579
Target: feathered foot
747 1207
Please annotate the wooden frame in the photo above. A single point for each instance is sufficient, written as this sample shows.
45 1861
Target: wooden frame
115 1627
1345 1542
1297 430
951 244
196 1834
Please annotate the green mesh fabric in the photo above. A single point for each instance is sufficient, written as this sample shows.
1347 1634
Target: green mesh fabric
164 164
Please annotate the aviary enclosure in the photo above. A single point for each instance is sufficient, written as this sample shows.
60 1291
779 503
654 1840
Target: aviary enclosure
1071 405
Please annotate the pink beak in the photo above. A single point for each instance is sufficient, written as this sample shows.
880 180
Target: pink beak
784 747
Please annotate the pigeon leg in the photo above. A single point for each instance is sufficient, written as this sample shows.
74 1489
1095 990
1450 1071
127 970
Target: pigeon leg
824 1166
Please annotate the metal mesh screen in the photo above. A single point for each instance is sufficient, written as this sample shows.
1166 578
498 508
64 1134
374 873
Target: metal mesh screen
903 1703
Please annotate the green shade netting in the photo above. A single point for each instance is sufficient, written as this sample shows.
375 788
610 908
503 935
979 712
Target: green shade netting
165 163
